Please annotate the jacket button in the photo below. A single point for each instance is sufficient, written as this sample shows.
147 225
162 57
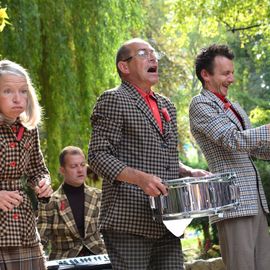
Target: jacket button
12 145
164 145
167 168
12 164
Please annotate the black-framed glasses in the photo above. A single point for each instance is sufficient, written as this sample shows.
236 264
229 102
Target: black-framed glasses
144 53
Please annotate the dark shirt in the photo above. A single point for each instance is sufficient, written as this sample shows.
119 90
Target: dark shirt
75 197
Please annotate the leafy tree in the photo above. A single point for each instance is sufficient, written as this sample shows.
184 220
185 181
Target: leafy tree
69 49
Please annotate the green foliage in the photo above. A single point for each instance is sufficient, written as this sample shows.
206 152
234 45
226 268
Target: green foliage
69 48
264 170
259 116
185 26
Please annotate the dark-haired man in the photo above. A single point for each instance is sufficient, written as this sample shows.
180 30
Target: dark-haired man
134 147
223 131
69 221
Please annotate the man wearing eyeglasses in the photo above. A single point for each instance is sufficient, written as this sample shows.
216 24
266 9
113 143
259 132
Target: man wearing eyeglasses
134 148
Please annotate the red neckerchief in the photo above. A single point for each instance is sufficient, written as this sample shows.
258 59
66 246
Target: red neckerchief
18 129
228 105
20 133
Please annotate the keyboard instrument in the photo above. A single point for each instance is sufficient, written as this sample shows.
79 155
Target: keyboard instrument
101 261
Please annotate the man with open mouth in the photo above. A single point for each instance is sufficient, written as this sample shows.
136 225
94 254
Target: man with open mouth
134 148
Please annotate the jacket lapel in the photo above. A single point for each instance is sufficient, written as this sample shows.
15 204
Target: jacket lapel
227 111
65 212
88 210
165 123
243 114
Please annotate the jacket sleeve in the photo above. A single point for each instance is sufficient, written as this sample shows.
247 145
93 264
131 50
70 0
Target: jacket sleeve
45 222
37 169
206 117
96 242
107 124
261 153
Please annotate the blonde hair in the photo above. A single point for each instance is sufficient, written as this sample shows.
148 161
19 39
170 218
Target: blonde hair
31 117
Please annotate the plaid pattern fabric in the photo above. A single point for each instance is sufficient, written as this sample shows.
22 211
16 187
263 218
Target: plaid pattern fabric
22 258
56 224
125 133
17 159
147 254
228 147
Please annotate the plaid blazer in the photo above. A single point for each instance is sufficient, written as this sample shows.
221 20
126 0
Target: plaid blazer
125 133
57 226
228 147
21 163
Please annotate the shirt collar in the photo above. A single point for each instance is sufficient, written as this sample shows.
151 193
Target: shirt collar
142 93
221 97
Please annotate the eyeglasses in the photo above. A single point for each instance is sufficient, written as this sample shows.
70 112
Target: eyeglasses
143 53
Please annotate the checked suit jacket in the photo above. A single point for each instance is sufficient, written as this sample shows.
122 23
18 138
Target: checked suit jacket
57 226
229 147
125 133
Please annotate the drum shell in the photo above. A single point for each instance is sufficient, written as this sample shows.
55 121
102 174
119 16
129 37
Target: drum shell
192 197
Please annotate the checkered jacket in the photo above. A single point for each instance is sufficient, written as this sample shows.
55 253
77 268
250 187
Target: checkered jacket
57 226
19 159
125 133
228 147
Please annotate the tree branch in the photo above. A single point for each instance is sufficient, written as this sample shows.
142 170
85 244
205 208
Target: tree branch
244 28
234 29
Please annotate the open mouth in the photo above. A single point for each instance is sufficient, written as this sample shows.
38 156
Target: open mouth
152 70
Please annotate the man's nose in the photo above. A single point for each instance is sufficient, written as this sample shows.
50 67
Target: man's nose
231 78
80 168
152 58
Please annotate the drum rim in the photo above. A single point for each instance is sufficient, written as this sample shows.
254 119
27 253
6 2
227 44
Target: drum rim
185 181
201 213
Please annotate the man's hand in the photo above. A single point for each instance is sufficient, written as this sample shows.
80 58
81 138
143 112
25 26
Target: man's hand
199 173
186 171
150 184
9 200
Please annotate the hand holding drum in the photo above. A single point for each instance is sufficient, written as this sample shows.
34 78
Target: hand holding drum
153 186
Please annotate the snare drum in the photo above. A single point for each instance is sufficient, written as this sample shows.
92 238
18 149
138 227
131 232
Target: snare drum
192 197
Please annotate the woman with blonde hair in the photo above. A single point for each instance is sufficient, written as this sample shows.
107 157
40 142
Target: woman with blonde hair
21 164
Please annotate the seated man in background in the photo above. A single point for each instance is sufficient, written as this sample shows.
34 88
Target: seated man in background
69 221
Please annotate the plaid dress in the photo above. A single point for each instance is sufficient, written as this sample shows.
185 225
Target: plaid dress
21 163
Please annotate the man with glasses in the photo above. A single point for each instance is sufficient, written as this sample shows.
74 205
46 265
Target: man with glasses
134 148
